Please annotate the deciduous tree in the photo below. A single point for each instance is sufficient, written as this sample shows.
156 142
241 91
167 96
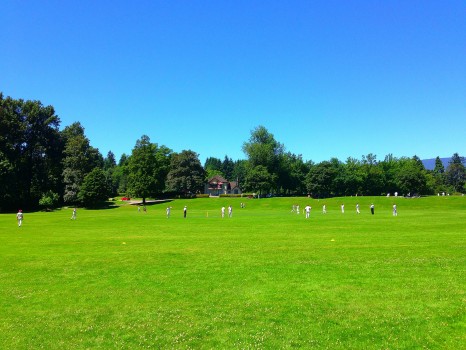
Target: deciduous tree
411 177
319 180
147 168
94 189
262 149
258 179
186 174
30 152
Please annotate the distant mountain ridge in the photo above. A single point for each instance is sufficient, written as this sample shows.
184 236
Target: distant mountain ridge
429 164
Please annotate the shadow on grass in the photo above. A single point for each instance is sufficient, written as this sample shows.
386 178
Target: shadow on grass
150 203
103 206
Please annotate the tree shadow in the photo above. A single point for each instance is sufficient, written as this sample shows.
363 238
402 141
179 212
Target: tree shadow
150 203
103 206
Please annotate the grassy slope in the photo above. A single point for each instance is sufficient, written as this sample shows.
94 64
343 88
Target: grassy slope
266 278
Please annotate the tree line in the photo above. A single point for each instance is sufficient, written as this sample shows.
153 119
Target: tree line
269 168
43 166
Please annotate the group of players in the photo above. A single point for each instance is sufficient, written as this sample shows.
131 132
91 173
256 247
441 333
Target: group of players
294 209
308 208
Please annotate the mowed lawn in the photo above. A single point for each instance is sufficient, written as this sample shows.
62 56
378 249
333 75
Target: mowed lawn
264 279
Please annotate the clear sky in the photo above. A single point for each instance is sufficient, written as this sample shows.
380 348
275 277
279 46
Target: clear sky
326 78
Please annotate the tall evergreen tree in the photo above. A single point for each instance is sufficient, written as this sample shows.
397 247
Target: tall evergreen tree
120 174
456 173
109 161
109 171
227 168
123 160
439 168
212 167
418 162
80 158
439 175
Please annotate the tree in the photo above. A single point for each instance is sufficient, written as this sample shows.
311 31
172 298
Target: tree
456 173
7 190
147 168
431 184
438 175
109 170
186 174
374 176
292 173
390 167
227 168
30 152
109 161
123 160
49 200
240 171
212 167
11 131
439 168
258 179
42 150
80 158
411 177
163 156
352 177
94 188
263 149
120 174
338 185
319 180
418 162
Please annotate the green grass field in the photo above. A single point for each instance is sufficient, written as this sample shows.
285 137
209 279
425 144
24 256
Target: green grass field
264 279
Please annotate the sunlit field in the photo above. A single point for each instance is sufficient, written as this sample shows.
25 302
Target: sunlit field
265 278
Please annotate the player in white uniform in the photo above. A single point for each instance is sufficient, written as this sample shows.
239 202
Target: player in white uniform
19 217
307 209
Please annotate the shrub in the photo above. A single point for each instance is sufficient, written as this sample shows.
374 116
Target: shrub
94 189
49 200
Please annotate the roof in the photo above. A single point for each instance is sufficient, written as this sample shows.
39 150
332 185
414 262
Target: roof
216 179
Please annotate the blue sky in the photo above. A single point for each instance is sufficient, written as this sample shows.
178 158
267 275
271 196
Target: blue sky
327 78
